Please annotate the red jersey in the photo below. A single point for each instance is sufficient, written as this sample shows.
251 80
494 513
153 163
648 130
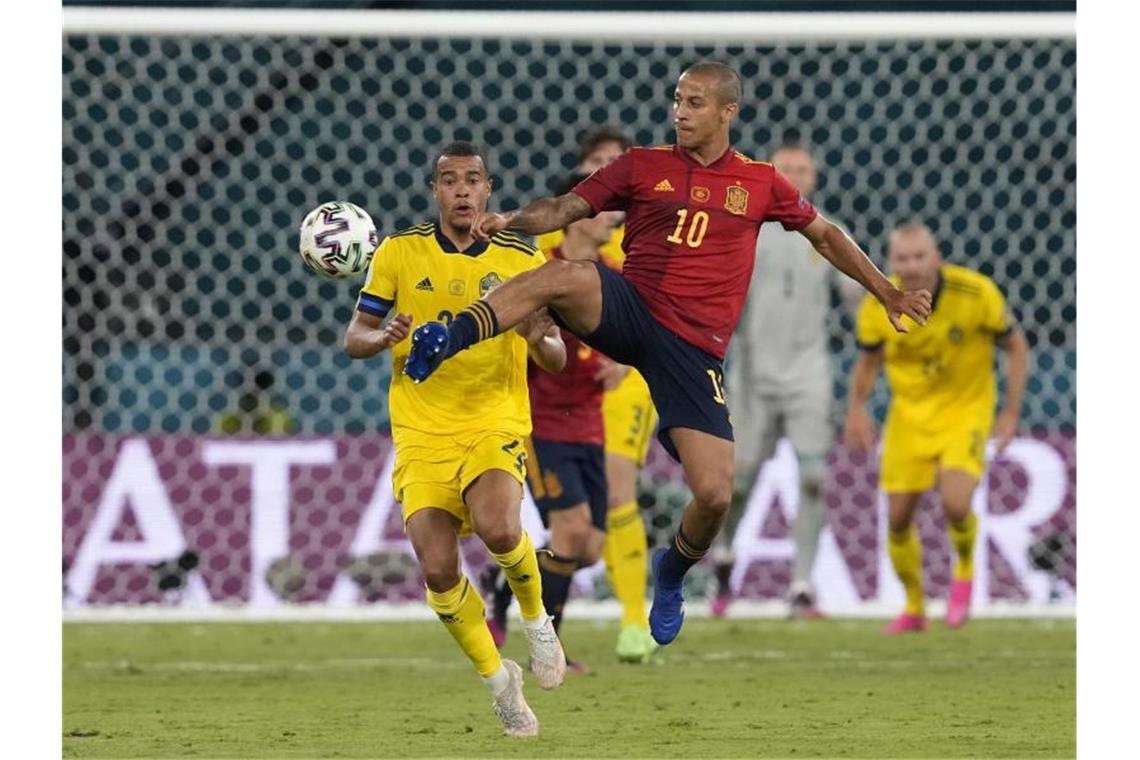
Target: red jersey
567 407
690 232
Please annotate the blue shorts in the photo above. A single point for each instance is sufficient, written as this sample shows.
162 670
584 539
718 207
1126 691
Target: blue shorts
563 475
685 382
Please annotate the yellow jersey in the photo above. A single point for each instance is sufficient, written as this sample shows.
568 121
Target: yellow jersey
944 370
419 271
611 253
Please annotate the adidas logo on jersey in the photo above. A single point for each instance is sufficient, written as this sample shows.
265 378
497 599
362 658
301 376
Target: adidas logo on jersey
664 186
425 284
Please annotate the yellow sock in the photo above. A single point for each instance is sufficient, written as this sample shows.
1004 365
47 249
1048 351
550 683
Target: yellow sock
461 611
521 568
625 556
962 537
906 556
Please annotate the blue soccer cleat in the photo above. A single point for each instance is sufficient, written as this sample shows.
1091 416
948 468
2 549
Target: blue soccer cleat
429 342
667 613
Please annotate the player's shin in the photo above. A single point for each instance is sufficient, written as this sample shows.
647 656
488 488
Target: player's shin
520 565
461 611
962 536
905 550
476 323
625 558
680 555
810 520
557 573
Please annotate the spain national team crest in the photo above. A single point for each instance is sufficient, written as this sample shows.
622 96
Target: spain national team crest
489 283
736 200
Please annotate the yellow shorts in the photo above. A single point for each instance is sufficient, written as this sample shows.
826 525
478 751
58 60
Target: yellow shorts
435 471
913 456
630 418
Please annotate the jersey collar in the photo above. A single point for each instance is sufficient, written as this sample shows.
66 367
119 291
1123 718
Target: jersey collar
717 164
445 243
937 291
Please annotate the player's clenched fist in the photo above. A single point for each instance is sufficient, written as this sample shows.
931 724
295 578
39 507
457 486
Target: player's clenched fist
396 330
913 303
486 225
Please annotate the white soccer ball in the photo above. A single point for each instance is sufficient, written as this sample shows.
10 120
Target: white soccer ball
337 239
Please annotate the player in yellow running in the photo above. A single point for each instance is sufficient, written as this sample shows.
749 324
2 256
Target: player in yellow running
943 394
460 459
630 421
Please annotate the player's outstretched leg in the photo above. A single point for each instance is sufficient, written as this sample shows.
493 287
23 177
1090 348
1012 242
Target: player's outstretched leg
573 287
708 464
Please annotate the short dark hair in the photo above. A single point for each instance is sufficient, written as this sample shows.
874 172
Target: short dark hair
729 86
593 138
459 148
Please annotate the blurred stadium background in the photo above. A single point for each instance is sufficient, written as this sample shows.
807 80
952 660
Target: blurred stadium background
208 408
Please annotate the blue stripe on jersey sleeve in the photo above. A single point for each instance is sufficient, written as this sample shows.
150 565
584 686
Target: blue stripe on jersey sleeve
374 305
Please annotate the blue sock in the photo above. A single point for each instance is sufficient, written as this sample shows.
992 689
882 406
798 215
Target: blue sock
475 323
678 558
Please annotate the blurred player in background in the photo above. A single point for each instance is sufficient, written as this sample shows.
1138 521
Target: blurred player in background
460 455
943 393
566 467
693 211
630 420
779 377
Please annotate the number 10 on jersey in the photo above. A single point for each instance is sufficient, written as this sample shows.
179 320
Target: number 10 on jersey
697 227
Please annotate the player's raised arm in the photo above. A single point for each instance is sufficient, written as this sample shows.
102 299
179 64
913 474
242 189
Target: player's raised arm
538 217
846 256
367 335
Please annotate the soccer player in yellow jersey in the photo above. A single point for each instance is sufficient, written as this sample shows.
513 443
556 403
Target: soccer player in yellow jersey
460 459
630 421
943 394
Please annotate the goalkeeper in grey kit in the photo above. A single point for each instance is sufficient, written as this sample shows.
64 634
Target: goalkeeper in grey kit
779 379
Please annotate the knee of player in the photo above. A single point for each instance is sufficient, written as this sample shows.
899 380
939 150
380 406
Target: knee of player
713 496
813 475
499 538
898 524
440 576
562 277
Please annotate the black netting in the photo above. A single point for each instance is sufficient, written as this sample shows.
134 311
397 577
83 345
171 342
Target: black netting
189 162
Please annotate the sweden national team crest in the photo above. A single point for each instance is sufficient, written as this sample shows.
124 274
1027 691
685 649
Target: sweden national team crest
736 200
489 283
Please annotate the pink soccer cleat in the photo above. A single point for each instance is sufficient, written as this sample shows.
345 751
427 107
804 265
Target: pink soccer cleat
958 608
906 623
719 605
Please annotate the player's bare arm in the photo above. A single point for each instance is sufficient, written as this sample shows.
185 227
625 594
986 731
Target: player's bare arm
859 428
1016 346
846 256
368 335
544 341
536 218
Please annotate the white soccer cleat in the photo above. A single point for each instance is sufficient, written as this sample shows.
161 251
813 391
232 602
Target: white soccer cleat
547 660
510 706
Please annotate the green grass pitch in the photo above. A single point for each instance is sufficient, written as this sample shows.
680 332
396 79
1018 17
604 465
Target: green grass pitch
747 688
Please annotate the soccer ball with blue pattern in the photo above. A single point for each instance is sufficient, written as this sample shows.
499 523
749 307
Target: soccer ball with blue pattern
337 240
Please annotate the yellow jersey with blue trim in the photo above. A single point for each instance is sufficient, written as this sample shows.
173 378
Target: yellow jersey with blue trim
419 271
943 370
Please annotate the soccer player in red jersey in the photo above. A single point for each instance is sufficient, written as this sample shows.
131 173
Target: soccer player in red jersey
693 212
